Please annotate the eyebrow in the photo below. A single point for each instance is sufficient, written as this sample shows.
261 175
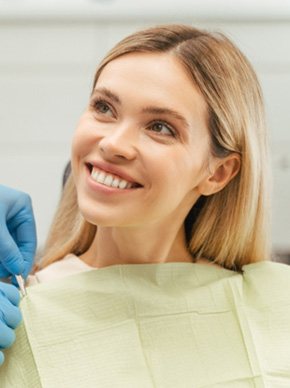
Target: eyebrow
148 109
108 93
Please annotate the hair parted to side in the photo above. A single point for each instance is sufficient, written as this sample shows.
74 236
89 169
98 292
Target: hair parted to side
230 227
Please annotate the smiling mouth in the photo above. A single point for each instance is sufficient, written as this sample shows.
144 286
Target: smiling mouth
110 180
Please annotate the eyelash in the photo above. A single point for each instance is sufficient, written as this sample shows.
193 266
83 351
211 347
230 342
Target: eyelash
168 126
97 101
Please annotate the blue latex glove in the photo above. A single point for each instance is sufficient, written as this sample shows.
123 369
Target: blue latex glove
10 316
17 233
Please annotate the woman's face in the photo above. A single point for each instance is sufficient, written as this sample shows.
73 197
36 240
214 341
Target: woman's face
141 149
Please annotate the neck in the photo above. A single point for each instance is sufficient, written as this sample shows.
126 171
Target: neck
128 245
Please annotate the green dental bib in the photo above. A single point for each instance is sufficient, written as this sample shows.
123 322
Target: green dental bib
173 325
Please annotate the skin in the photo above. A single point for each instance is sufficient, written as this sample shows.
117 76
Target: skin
169 156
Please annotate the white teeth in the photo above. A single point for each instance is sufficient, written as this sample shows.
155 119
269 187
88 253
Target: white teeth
95 174
110 180
101 177
115 182
122 184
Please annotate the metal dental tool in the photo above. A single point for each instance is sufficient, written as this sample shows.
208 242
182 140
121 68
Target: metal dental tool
21 285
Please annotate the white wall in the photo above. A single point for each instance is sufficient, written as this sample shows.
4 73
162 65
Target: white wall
47 62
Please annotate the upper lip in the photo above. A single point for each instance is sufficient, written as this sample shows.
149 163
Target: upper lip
112 169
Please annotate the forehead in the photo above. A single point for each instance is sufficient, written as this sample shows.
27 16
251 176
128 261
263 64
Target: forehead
159 77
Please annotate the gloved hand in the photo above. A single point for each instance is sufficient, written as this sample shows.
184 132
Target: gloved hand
10 315
17 233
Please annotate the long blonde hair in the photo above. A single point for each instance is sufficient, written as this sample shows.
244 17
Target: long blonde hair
230 227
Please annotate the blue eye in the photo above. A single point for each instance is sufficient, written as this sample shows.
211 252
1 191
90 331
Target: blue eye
162 128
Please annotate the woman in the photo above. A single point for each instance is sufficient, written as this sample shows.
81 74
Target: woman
169 168
221 137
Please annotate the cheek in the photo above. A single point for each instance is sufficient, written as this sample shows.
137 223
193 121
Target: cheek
79 150
81 143
76 143
84 135
180 169
170 183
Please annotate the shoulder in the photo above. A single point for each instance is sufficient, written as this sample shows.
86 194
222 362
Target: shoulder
267 282
267 270
69 265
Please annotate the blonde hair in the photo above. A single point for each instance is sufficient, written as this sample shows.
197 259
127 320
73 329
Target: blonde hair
230 227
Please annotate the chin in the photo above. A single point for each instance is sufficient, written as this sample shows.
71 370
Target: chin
98 219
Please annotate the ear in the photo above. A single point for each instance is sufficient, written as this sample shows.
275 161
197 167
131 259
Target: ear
224 171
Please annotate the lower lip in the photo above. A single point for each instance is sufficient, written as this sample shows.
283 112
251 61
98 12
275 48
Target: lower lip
98 187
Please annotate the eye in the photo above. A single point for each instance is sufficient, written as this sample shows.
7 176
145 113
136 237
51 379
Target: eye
163 128
103 108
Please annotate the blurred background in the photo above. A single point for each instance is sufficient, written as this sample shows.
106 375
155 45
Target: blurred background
49 51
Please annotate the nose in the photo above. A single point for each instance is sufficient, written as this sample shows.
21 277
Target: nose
119 142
